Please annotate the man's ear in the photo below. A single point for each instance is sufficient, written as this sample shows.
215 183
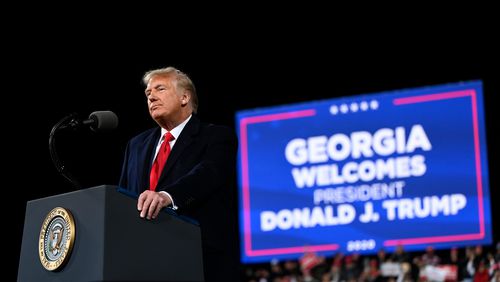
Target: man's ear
185 98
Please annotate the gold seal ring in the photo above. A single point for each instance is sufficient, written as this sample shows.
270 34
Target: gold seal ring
56 239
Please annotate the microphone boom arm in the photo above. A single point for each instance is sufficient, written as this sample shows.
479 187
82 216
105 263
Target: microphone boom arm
53 152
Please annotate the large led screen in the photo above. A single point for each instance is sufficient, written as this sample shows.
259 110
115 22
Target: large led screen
365 172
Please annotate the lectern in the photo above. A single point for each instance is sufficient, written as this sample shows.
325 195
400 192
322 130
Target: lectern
106 240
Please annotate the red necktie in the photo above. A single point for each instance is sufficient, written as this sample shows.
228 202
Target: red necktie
160 161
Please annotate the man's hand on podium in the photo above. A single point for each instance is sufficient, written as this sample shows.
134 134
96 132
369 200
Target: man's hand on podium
150 203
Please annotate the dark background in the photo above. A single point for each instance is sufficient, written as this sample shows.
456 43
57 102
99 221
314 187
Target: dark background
83 72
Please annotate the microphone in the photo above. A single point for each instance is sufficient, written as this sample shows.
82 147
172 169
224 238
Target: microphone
97 121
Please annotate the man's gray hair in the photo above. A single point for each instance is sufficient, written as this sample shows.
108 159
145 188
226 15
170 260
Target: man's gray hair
183 81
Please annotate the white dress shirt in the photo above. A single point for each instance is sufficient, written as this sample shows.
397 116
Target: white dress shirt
176 132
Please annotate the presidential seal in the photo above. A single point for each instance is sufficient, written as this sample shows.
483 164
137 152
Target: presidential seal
57 236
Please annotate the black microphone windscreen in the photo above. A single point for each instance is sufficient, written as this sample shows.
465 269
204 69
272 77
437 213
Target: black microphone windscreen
103 120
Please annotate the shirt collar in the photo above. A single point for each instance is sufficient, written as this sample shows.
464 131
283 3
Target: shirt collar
176 131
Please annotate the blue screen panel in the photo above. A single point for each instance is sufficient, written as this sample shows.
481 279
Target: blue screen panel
365 172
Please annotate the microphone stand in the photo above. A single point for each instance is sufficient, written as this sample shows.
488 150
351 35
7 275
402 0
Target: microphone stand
53 153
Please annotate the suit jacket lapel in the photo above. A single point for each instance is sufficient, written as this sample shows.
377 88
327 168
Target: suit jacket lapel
184 140
148 155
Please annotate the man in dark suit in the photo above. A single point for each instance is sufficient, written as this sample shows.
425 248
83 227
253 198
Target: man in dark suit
197 179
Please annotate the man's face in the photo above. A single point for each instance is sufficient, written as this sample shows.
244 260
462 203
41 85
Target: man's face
164 99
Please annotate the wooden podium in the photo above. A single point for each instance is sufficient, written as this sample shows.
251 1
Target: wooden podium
111 242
